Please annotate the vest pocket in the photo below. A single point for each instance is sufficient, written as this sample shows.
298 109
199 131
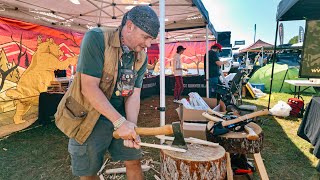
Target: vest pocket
75 110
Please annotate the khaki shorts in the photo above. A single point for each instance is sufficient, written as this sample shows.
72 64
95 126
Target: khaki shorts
87 159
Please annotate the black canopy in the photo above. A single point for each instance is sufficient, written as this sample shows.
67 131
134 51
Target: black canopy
289 10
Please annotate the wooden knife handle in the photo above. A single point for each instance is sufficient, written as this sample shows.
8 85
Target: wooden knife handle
163 130
251 134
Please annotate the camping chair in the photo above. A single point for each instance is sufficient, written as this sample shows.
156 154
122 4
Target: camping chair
230 93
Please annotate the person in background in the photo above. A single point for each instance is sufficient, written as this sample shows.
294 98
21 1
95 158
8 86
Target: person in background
214 68
177 70
104 97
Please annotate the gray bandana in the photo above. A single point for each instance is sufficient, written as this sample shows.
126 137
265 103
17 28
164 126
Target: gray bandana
145 18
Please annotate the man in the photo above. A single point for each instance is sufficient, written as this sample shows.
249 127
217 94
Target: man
105 95
214 68
177 70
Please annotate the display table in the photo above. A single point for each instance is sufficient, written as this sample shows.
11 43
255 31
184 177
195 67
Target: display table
48 103
310 126
300 83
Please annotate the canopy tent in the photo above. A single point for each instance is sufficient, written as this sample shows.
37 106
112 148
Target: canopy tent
180 15
255 46
175 15
294 10
289 10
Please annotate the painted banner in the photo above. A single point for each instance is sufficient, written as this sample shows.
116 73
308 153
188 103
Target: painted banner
310 62
301 34
192 58
29 55
281 33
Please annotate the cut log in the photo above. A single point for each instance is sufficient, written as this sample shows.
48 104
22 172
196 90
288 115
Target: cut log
199 162
237 142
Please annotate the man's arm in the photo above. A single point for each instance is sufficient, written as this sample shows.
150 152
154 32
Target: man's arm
90 90
132 106
220 63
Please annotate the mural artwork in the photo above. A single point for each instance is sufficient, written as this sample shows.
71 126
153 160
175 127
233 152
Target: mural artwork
29 55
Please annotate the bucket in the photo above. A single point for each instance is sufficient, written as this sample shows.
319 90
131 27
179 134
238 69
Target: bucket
258 86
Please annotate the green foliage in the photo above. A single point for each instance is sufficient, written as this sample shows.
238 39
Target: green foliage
293 40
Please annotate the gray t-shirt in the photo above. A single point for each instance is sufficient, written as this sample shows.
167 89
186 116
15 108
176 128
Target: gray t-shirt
91 61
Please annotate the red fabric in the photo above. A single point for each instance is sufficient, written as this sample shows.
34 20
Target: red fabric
178 87
297 106
193 55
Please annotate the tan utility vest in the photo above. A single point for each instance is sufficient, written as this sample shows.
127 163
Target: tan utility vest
75 116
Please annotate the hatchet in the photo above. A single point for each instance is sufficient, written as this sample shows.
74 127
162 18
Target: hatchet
174 128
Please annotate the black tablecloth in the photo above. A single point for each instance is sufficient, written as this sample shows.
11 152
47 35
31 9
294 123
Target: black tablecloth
191 84
310 126
48 104
150 86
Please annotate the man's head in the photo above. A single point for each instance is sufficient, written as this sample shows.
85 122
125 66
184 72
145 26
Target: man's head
216 47
180 49
140 26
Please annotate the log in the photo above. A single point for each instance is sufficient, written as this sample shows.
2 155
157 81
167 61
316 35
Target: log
237 142
124 170
199 162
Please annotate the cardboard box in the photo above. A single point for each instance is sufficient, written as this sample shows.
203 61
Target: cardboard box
192 115
196 130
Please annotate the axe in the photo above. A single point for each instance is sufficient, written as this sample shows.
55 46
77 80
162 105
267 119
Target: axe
251 134
220 126
174 129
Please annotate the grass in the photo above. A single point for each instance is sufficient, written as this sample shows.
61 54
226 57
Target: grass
41 153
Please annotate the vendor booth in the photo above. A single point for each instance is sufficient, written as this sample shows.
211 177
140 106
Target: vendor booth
289 10
26 27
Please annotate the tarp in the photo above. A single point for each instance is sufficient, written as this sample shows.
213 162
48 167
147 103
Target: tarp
179 14
254 46
281 73
298 10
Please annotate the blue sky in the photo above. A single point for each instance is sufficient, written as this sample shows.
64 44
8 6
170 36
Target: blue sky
239 17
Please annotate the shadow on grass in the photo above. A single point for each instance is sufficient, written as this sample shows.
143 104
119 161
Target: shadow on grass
286 156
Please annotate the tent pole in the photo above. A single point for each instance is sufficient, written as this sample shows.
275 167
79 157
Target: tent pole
262 57
162 64
207 61
273 61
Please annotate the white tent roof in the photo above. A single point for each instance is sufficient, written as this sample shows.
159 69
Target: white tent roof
180 14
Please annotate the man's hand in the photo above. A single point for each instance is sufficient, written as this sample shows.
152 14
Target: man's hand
126 131
132 143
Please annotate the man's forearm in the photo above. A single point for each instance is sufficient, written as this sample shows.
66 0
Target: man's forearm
132 106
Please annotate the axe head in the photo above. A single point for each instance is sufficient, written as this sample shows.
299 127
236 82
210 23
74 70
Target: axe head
218 129
178 136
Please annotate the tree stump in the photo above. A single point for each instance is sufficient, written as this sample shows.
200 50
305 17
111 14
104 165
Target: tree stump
198 163
237 142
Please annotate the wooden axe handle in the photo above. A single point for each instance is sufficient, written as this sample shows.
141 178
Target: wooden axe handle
215 112
163 130
251 134
245 117
212 118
